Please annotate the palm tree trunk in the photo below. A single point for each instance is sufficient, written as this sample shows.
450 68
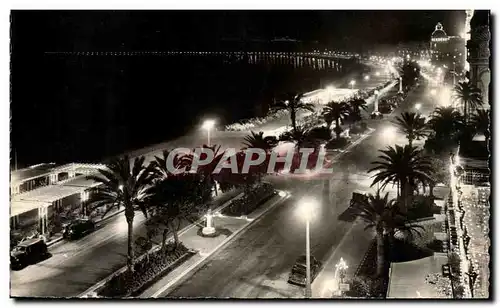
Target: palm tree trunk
380 251
164 240
404 195
171 225
390 238
337 128
293 118
129 215
465 112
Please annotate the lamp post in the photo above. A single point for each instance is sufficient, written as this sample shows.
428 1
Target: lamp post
208 125
341 268
306 208
375 101
352 83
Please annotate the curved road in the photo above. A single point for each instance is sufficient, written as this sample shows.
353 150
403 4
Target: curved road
257 263
76 266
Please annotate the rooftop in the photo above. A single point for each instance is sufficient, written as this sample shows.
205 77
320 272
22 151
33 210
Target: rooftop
32 172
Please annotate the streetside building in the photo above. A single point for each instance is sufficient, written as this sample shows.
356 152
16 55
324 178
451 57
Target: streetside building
64 189
446 50
478 55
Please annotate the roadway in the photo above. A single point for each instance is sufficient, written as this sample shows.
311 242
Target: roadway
257 263
76 266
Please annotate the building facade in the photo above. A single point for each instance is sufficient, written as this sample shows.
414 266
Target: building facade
478 53
446 50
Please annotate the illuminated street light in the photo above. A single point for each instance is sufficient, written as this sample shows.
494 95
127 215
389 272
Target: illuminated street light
377 74
389 132
352 83
208 126
367 77
418 106
306 208
341 267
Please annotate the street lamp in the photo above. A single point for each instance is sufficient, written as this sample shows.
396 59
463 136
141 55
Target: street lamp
367 77
306 208
352 83
208 125
418 106
341 267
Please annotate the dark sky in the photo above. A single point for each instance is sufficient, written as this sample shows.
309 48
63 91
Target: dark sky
161 30
35 110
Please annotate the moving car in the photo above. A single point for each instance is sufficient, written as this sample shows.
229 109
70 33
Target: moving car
298 272
28 252
78 228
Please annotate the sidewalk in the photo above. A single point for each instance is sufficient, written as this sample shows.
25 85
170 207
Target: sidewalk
326 283
228 228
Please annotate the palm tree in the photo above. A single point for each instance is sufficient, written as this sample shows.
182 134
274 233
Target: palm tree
302 138
258 141
293 104
355 107
385 217
469 96
173 199
409 73
481 122
123 185
412 125
338 112
403 166
446 122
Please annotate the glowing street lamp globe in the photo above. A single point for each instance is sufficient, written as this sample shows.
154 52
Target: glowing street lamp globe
208 124
418 106
307 207
367 77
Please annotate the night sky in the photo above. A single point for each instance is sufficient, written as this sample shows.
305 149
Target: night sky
157 30
51 106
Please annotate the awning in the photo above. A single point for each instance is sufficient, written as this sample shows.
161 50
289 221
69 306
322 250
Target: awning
47 195
407 279
23 206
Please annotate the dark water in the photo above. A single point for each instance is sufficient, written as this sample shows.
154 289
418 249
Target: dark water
90 107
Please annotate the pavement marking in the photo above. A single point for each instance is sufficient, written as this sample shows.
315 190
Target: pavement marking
226 241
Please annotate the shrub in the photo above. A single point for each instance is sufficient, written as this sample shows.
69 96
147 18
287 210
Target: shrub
145 270
251 201
320 133
337 143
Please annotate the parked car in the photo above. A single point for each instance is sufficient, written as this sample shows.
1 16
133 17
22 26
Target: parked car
298 272
385 108
28 252
78 228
